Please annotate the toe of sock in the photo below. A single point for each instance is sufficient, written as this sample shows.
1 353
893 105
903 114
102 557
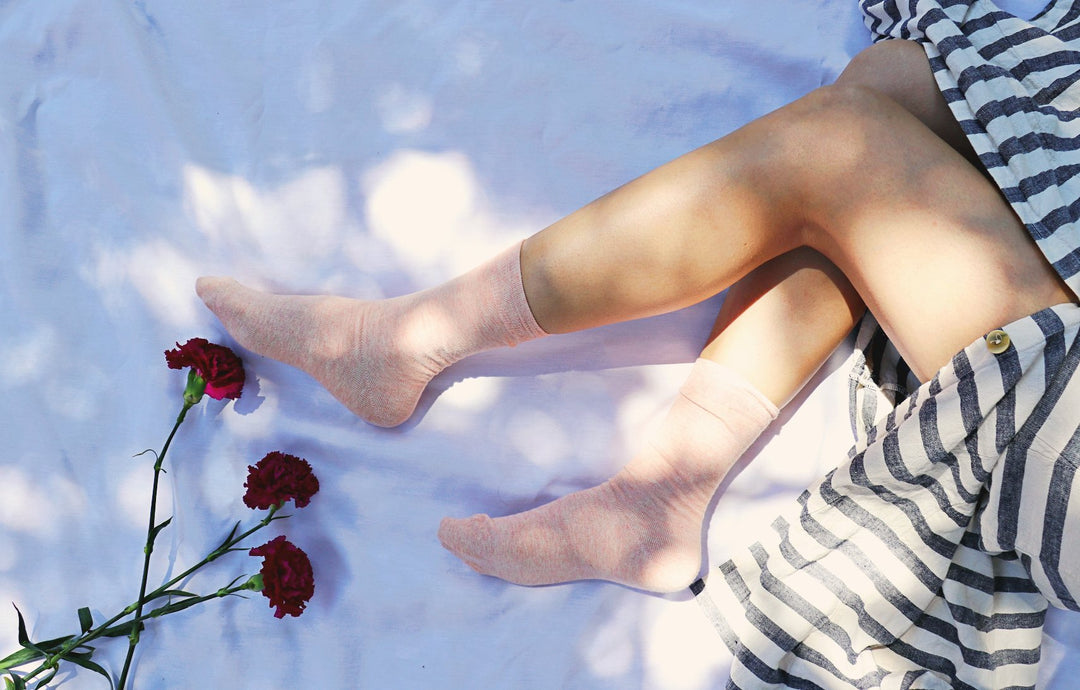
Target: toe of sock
457 534
208 287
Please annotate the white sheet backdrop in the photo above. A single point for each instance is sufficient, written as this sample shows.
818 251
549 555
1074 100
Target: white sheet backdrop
367 148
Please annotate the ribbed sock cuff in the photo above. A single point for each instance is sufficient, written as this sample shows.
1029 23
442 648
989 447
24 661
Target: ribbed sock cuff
513 307
711 385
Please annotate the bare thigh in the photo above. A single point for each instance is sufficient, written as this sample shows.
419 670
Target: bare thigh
926 240
852 171
900 71
797 307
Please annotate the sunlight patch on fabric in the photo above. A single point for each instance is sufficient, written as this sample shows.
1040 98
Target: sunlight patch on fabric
317 85
642 411
29 508
680 634
610 651
9 554
539 437
287 228
132 490
431 209
157 270
263 424
472 395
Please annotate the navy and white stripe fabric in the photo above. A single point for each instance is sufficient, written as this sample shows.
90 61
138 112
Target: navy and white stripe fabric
928 558
1014 87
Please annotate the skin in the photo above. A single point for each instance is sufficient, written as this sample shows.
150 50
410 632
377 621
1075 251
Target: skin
861 193
798 307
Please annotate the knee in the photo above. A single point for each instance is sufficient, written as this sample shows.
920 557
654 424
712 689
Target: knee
847 102
900 71
887 67
837 121
886 81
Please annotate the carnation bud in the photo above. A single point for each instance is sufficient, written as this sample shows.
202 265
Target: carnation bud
196 386
254 583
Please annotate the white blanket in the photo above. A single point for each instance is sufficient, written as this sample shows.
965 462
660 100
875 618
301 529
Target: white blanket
370 149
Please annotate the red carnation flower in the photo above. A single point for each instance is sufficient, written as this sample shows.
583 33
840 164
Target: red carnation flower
215 367
288 581
277 478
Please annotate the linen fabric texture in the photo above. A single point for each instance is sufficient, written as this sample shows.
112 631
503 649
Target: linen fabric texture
929 557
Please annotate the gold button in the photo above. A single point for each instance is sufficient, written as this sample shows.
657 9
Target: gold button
997 341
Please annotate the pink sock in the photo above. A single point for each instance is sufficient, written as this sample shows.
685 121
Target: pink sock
642 527
377 357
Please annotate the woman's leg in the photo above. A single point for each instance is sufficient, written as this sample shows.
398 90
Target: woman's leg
926 240
777 325
643 526
786 328
626 255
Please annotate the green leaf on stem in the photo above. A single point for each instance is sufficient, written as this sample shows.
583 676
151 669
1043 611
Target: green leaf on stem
158 528
23 656
177 593
234 581
39 650
86 621
83 659
122 630
45 681
24 639
173 608
15 683
220 550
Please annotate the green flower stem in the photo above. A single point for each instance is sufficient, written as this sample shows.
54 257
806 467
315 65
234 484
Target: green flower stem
226 546
174 607
66 645
109 627
151 533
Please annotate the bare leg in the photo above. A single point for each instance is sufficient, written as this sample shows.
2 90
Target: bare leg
887 217
702 192
900 71
926 240
779 324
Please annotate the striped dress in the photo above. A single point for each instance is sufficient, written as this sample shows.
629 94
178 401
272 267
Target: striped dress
929 557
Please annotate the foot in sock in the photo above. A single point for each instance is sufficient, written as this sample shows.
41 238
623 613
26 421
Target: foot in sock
377 357
329 338
641 528
627 530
